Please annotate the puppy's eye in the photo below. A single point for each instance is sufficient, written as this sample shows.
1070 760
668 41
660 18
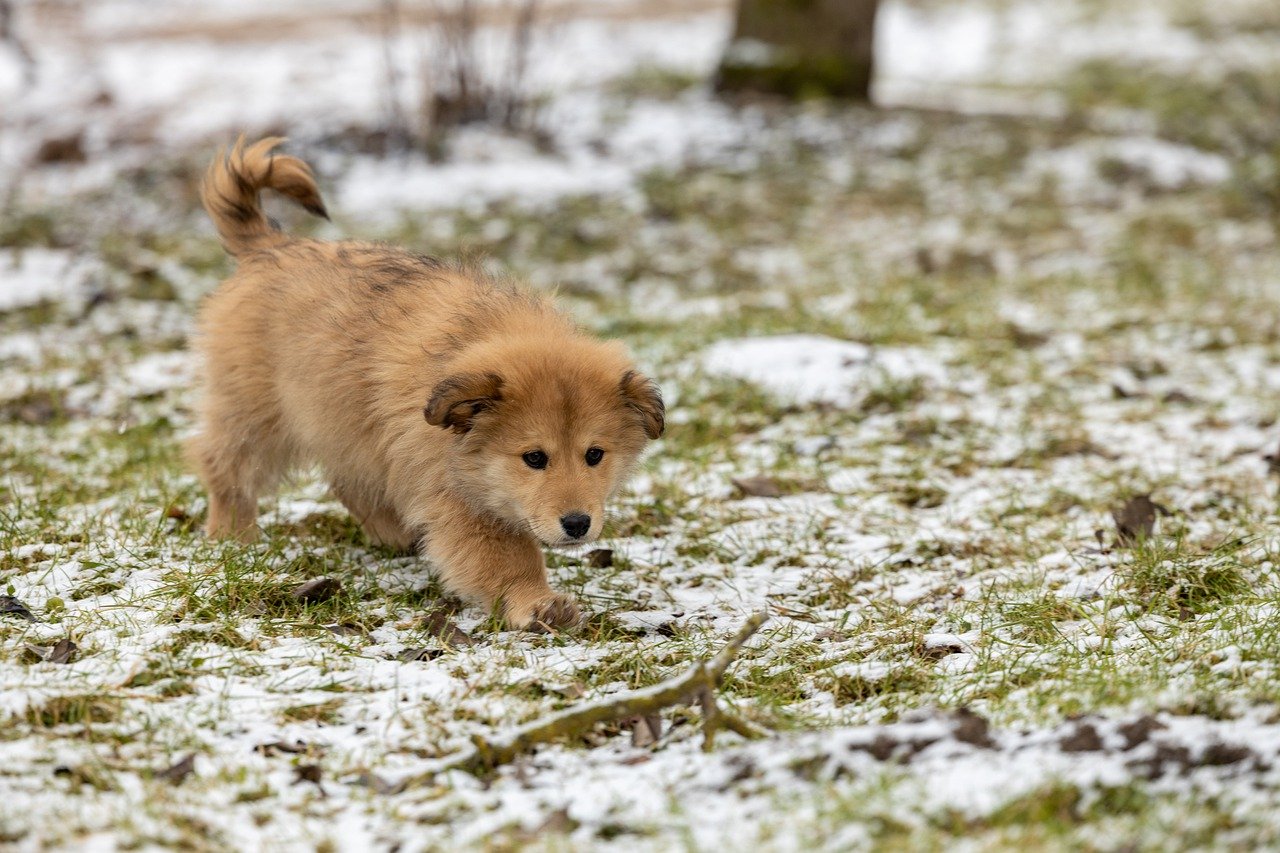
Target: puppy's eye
594 455
535 459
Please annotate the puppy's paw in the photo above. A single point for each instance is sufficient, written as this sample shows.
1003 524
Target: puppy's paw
558 611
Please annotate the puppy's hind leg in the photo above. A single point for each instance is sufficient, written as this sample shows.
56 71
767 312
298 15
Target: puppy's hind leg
381 523
236 468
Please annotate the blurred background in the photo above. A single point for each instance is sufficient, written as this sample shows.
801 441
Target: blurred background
409 107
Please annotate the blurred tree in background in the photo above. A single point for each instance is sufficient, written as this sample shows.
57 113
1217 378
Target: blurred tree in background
801 48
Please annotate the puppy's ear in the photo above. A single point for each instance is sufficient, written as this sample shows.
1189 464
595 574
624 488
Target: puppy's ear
456 401
642 396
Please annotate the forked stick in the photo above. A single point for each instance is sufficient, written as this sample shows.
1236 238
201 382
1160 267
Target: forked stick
698 685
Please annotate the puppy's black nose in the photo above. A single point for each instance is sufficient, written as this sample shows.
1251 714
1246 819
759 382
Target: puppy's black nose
576 524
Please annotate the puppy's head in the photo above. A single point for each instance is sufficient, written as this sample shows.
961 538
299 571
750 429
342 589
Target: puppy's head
547 431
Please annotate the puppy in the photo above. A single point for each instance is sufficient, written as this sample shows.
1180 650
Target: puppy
450 412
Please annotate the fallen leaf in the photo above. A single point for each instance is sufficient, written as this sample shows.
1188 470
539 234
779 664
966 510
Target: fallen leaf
276 747
1026 338
317 590
1136 519
346 629
439 624
60 652
176 773
409 655
758 487
62 149
308 773
937 651
600 558
10 606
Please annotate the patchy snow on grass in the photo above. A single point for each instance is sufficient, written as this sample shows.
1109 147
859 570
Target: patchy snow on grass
159 372
33 275
1081 168
912 386
816 369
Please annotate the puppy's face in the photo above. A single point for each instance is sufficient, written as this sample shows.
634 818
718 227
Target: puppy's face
547 439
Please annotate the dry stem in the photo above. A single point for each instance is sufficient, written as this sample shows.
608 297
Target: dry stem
698 685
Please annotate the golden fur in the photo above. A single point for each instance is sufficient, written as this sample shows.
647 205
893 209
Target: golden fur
418 388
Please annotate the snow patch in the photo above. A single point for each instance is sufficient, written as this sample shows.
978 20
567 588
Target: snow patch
1079 168
818 369
34 275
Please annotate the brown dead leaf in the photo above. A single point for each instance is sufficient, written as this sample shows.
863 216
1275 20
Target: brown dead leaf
410 655
346 629
176 773
62 149
758 487
277 747
1136 520
316 590
600 558
10 606
308 773
438 623
60 652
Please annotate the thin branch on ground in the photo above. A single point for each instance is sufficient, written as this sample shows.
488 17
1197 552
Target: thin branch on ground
697 685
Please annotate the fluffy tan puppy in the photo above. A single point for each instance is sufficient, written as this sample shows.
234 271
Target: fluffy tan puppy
449 411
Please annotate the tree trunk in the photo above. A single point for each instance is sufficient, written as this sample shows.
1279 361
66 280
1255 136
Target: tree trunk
801 49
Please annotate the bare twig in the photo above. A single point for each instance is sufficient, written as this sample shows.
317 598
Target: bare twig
521 41
397 127
698 684
461 89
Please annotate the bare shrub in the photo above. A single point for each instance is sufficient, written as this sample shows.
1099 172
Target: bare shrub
475 71
461 89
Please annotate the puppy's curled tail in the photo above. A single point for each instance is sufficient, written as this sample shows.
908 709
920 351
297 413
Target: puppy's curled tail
233 182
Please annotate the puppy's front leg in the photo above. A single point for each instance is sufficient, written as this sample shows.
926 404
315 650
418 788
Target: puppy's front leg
483 561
